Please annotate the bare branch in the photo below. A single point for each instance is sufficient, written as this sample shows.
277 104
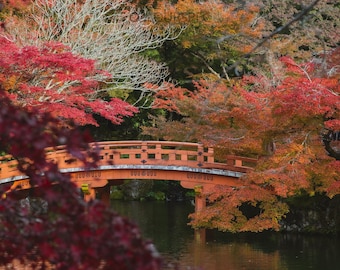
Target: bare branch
298 17
102 30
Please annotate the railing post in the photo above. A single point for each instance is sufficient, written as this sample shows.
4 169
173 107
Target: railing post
230 161
200 156
172 155
210 158
144 152
158 154
104 151
238 163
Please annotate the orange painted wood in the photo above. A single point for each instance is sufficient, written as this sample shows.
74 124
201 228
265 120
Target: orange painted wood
158 154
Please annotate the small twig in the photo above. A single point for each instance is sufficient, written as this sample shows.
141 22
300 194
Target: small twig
277 31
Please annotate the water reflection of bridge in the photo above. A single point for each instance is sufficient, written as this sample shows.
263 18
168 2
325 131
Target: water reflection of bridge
190 163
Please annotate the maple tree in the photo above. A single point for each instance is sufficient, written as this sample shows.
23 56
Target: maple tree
284 111
229 39
117 35
65 232
52 79
322 23
41 89
285 119
10 6
215 35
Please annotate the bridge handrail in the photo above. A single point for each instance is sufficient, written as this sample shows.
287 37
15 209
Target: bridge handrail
140 153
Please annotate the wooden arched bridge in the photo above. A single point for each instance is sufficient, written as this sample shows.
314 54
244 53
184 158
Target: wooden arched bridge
190 163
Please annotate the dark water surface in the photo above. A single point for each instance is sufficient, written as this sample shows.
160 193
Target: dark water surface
165 224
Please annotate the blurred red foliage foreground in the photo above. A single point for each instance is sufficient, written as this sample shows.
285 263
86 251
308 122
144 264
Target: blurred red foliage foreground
55 228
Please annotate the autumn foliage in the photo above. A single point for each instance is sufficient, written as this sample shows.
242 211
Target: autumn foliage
214 36
278 102
52 79
121 38
43 92
63 231
283 120
203 21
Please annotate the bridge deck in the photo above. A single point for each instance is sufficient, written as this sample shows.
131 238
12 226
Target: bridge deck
186 162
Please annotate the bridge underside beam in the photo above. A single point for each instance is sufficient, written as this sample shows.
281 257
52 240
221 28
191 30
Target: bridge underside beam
96 183
187 179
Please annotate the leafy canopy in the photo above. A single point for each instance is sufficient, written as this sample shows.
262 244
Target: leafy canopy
215 34
282 119
52 79
63 232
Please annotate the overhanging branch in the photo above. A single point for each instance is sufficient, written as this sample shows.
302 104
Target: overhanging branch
280 29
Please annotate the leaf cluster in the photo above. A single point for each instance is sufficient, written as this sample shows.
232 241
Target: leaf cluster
215 34
63 231
52 79
280 119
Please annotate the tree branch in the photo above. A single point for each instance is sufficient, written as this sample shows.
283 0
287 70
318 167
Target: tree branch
102 30
277 31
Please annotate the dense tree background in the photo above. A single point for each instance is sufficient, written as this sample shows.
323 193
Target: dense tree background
258 79
45 91
275 97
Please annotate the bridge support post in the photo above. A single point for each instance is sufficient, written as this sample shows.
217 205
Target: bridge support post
89 192
103 194
200 204
200 199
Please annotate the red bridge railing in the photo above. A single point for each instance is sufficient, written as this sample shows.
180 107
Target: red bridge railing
165 153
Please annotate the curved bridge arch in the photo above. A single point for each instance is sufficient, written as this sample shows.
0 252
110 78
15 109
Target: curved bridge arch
190 163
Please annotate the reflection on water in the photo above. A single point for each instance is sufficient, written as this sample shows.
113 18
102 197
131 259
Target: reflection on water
165 223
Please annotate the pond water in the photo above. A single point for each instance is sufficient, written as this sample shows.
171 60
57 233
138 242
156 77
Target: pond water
165 223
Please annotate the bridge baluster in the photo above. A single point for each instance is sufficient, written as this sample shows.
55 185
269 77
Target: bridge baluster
210 157
158 154
144 153
238 163
200 155
230 161
172 154
184 157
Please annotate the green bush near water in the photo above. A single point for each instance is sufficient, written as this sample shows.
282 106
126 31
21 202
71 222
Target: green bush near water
116 193
156 195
